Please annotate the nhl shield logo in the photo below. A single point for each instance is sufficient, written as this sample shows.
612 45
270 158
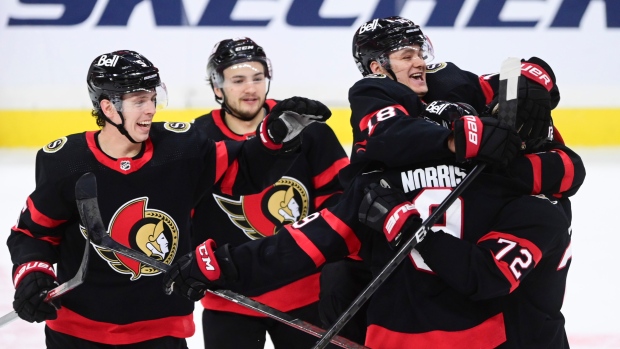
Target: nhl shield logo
125 165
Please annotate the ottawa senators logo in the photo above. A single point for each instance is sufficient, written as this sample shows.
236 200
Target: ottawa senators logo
177 127
284 202
55 145
151 231
431 68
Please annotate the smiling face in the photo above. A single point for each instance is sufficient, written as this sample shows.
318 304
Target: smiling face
244 89
409 68
138 109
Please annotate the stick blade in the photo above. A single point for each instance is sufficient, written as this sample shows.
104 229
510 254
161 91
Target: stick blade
86 187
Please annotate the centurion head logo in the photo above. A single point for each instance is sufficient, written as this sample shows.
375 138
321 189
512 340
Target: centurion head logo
284 202
151 231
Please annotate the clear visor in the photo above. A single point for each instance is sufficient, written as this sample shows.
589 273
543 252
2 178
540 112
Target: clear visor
142 100
424 51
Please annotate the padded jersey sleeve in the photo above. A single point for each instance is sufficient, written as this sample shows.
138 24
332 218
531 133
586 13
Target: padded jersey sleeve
326 158
557 172
46 212
386 128
241 168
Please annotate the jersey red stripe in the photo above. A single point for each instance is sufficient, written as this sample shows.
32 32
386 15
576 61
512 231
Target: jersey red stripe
306 245
569 171
76 325
489 334
536 173
330 173
42 219
353 243
221 160
229 178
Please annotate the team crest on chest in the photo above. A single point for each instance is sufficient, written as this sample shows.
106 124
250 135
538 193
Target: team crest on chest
260 215
151 231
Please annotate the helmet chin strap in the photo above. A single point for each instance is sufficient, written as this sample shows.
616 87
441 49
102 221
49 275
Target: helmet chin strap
121 128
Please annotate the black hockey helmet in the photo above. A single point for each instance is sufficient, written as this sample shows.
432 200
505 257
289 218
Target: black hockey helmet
114 74
232 51
375 39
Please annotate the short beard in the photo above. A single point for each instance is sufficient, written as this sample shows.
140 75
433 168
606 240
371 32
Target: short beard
244 116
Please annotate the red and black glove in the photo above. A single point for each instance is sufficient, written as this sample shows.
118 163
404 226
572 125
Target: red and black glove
280 131
538 94
387 210
485 139
33 280
196 272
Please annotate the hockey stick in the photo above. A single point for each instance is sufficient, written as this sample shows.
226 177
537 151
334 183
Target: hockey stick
97 231
80 275
508 89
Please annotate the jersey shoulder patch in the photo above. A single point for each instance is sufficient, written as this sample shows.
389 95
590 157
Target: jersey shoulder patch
431 68
375 76
55 146
177 127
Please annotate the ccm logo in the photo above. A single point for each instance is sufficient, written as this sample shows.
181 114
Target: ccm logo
204 256
471 128
396 216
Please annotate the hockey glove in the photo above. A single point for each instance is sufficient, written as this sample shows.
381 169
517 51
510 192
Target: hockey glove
485 139
281 129
535 101
445 113
32 282
387 210
200 270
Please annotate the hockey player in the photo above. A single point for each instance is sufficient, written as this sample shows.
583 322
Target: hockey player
391 112
239 73
378 50
501 258
150 176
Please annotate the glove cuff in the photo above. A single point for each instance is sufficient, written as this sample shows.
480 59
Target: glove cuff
467 137
34 266
263 133
207 263
397 220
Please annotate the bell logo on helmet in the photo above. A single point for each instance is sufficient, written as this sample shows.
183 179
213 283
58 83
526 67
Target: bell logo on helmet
370 26
108 62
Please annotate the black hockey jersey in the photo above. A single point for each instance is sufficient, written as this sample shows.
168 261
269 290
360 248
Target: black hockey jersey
145 203
310 184
493 277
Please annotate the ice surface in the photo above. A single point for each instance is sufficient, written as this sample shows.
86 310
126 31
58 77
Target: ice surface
591 301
